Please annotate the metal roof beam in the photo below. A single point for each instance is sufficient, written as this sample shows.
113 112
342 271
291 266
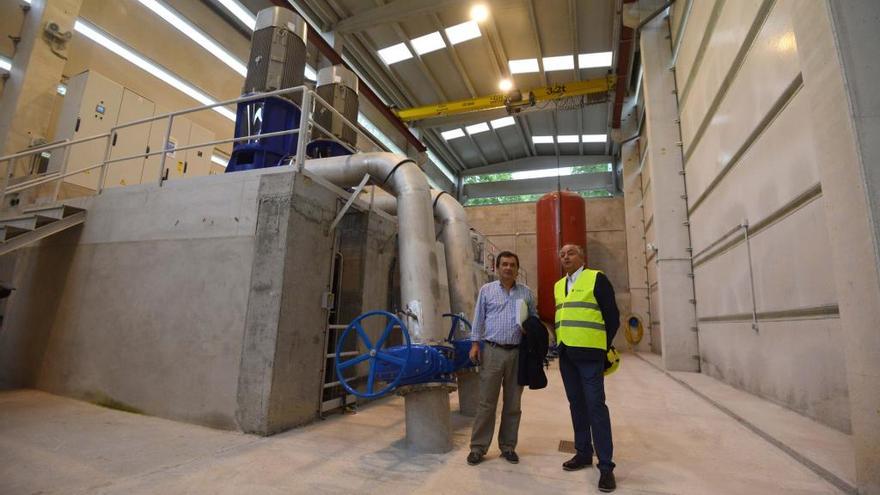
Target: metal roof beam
576 182
391 12
453 52
479 150
575 48
539 163
534 19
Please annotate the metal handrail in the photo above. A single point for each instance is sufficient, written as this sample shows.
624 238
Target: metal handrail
30 184
310 102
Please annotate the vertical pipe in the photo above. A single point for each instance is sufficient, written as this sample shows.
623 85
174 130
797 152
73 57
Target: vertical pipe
103 175
745 227
61 173
165 149
305 111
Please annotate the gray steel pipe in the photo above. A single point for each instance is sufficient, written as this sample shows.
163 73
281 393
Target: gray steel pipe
402 178
455 234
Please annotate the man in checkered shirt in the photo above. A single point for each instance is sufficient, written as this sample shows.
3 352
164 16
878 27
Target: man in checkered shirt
497 325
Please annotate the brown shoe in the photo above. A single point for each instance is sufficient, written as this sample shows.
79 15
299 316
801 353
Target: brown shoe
577 462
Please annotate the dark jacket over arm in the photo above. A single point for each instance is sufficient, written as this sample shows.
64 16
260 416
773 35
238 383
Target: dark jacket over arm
532 351
604 293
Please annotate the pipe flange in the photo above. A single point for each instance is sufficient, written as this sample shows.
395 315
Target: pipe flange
424 387
405 160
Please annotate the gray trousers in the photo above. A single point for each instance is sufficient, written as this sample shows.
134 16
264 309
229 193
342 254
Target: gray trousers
498 369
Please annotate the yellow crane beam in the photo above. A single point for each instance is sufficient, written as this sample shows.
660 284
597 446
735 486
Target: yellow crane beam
512 100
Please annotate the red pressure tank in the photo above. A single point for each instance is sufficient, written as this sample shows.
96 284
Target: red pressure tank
561 220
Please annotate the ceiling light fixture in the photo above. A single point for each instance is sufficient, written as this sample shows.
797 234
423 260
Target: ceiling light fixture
5 64
523 66
193 33
542 139
240 12
395 53
574 138
479 13
219 160
463 32
148 66
505 85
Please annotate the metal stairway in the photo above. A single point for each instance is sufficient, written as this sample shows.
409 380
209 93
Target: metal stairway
37 223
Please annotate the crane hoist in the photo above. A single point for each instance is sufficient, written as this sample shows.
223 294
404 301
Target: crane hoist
595 91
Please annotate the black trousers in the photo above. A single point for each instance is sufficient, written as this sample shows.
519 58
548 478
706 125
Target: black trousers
585 387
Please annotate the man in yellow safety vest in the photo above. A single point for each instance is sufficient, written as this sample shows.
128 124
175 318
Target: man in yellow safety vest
587 319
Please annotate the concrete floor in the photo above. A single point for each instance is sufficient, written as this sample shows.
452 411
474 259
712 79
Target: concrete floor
667 440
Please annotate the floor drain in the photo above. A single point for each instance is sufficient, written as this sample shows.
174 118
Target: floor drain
567 446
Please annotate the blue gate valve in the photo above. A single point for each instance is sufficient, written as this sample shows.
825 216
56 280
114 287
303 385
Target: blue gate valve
462 347
397 356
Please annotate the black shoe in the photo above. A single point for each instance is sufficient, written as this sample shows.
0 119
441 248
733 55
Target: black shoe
607 482
510 456
474 458
577 462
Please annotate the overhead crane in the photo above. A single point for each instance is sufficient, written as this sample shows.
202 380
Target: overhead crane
596 91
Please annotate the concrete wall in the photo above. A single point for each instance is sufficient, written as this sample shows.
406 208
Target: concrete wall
199 301
747 145
512 227
637 264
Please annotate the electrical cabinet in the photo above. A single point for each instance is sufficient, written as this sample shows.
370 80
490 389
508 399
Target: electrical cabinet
175 161
198 160
129 141
94 105
90 107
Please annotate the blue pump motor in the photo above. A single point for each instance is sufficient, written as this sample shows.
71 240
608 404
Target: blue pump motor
263 116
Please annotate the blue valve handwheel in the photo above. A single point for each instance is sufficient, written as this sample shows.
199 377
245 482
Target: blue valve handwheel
374 354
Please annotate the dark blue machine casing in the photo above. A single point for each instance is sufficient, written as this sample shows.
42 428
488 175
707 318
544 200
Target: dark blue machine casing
266 115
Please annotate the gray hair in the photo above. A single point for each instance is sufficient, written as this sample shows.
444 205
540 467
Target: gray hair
580 249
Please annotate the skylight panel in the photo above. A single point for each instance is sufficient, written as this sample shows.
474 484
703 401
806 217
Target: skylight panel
542 139
502 122
428 43
568 139
395 53
5 64
594 138
523 66
538 174
452 134
590 60
565 62
477 128
463 32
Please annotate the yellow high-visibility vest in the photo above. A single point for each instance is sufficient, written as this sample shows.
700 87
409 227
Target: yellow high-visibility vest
579 321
